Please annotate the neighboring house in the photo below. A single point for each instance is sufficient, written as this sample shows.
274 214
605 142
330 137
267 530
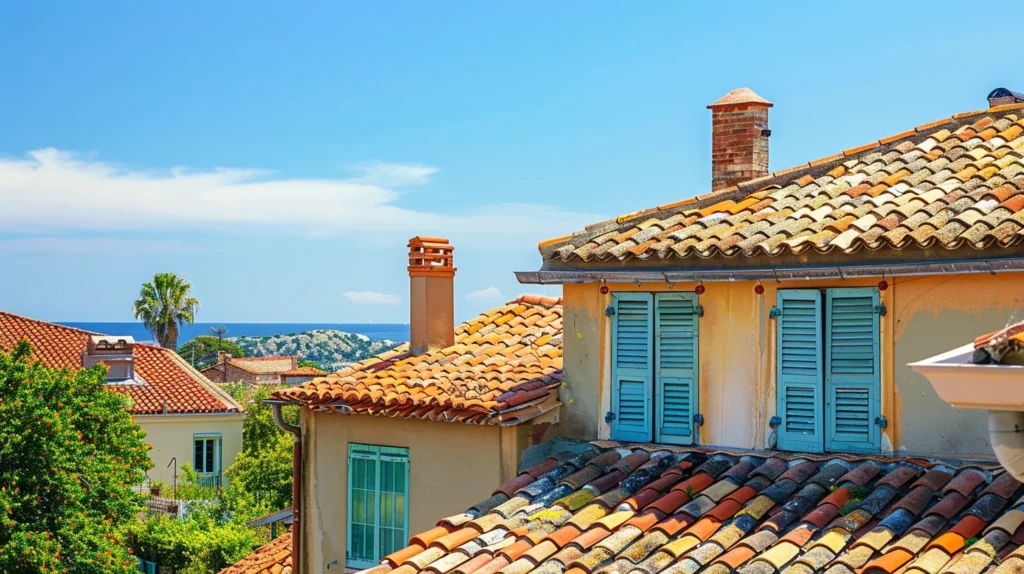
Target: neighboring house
781 311
187 418
274 557
392 442
250 370
300 375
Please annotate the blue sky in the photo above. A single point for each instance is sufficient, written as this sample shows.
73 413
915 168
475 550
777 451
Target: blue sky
279 155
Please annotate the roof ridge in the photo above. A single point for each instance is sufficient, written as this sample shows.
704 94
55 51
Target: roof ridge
202 379
542 300
744 188
51 324
267 358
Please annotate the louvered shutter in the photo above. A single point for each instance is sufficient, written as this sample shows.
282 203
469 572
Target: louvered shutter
675 361
852 373
632 358
800 370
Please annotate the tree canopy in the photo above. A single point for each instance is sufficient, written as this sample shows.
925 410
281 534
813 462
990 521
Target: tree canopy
204 349
164 304
69 456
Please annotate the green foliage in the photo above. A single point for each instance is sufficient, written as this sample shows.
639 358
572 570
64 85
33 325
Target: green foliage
850 506
69 456
189 487
202 543
204 349
163 305
860 492
311 363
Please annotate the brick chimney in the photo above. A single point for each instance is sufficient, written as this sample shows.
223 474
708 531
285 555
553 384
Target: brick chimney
739 138
431 298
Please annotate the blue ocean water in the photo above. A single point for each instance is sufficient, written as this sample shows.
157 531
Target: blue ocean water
390 331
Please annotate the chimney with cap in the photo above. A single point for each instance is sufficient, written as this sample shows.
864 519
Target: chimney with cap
739 138
431 294
1002 96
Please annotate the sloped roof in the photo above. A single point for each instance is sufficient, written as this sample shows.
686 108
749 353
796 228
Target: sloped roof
275 557
263 365
505 366
953 184
304 372
647 509
169 379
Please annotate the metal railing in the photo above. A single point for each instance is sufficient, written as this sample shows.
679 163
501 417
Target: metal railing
209 481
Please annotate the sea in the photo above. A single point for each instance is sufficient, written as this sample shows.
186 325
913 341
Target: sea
391 331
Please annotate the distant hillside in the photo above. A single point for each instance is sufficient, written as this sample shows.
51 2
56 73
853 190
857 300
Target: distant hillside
332 349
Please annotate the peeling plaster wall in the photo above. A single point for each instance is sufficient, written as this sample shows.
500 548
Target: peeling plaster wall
933 315
926 316
452 466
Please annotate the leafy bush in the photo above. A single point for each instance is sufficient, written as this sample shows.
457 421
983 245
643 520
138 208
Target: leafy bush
204 350
202 543
69 457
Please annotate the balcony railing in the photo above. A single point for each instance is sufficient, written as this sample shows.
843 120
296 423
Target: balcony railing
209 481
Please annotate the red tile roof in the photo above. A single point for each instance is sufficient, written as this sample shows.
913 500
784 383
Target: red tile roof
170 380
953 184
274 557
647 509
264 365
505 366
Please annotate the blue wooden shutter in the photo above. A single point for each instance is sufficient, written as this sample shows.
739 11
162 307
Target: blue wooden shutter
675 364
632 359
800 370
852 370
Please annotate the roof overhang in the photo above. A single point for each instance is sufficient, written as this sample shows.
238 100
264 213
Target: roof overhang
622 275
965 385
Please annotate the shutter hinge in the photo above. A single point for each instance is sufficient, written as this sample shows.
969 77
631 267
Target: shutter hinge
609 310
699 310
880 309
698 419
775 421
882 421
775 312
609 417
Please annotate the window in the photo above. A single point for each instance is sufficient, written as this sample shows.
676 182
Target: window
828 371
378 503
654 367
206 458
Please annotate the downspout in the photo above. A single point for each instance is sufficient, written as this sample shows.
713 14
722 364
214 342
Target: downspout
296 480
1006 433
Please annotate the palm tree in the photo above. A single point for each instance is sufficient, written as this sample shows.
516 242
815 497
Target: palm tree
165 304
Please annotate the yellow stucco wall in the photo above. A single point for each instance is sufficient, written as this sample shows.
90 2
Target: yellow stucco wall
172 435
452 466
926 316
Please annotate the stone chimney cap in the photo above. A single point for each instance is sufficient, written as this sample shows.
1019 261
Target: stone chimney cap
430 257
739 96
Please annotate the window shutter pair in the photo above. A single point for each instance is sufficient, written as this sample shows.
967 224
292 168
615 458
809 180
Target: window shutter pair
828 370
654 367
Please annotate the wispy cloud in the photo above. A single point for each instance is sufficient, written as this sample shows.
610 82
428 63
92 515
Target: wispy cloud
484 294
87 245
51 190
371 298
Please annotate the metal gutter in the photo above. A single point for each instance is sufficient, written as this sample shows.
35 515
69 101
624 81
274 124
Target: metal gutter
992 266
296 479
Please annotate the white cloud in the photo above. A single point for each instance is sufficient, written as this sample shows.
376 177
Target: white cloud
87 245
371 298
484 294
53 190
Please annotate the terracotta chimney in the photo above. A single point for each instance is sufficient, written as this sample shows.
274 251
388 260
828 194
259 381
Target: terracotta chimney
739 138
431 298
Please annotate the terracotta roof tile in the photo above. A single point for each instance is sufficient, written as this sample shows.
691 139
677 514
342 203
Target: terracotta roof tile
304 372
166 379
792 525
505 366
967 154
272 558
264 365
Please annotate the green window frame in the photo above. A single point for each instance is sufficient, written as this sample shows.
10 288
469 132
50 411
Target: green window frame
378 503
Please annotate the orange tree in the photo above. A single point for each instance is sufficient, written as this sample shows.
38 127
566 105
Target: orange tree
69 456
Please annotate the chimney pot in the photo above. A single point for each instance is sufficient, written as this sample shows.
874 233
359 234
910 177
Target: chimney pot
431 294
739 138
1002 96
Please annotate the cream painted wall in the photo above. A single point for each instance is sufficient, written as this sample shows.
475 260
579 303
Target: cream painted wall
926 316
171 436
452 467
